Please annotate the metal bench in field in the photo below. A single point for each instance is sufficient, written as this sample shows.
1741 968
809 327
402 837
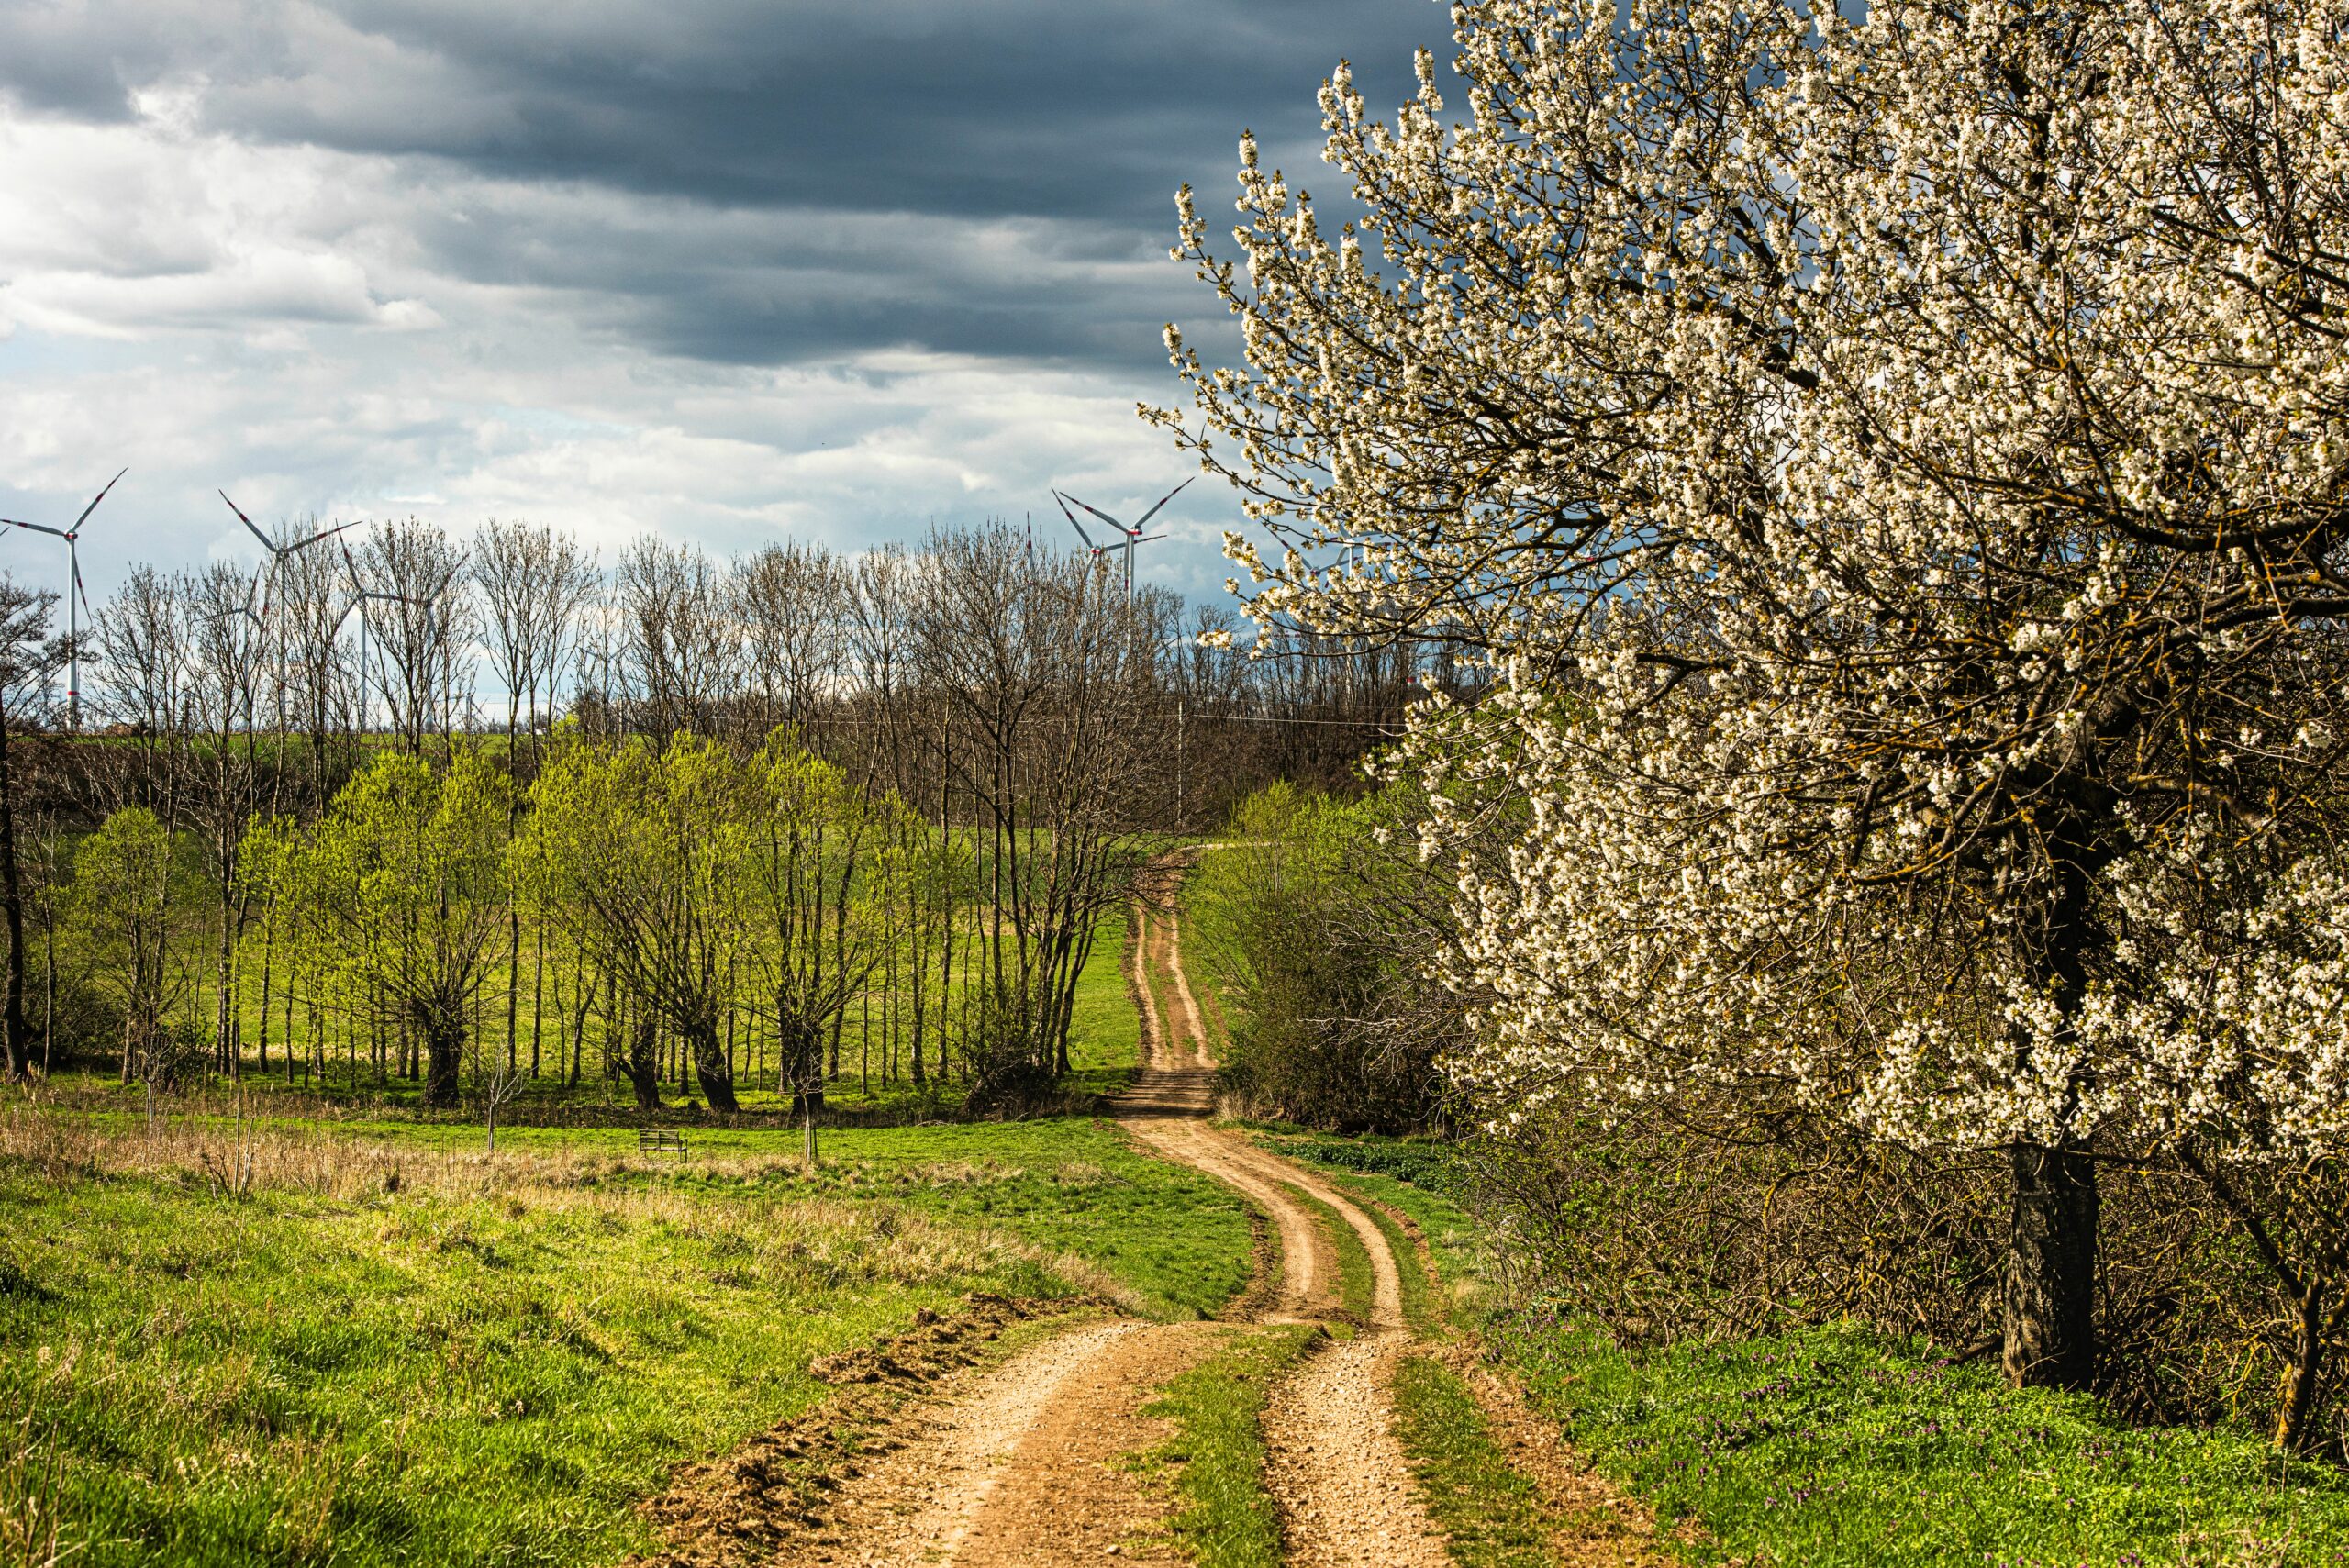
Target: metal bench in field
649 1141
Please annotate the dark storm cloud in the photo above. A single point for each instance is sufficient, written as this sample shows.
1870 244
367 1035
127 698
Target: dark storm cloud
1077 116
762 285
1035 107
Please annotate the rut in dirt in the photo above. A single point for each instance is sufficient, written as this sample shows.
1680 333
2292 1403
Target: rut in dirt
1030 1462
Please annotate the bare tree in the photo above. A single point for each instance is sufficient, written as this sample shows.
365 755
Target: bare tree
534 583
422 625
681 656
146 643
231 656
311 604
1037 661
795 604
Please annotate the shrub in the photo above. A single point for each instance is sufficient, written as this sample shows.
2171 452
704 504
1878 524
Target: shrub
1317 932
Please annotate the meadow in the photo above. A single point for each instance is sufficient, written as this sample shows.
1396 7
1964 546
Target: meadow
1831 1445
281 1337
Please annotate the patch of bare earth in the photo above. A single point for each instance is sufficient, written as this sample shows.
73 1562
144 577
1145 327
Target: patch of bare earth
784 1488
1025 1466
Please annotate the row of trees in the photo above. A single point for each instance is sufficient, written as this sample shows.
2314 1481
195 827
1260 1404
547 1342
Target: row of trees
905 785
1893 470
407 636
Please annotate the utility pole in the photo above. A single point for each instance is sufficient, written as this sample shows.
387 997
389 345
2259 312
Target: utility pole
1180 794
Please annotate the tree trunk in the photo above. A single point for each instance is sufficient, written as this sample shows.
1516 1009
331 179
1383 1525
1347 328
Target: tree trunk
709 1066
14 1044
224 1011
643 1064
2049 1289
799 1070
444 1047
2050 1285
2303 1376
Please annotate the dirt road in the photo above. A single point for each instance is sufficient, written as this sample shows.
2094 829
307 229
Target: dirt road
1022 1464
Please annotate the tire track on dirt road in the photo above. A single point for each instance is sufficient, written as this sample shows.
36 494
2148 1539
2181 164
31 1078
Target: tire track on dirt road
1341 1478
1022 1464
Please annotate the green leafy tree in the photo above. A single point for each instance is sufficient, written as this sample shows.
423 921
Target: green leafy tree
1318 925
400 890
636 855
119 918
816 873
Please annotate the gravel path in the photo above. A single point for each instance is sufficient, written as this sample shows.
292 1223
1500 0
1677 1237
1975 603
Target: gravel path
1025 1463
1341 1478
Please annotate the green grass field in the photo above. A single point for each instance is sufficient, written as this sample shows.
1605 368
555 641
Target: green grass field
392 1349
1829 1447
1832 1446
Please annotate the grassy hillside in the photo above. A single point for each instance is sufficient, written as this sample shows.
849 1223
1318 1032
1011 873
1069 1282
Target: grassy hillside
373 1345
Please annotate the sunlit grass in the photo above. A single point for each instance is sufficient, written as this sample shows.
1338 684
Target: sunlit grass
374 1345
1829 1447
1217 1455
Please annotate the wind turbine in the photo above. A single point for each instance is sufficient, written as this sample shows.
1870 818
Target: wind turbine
279 553
1095 550
76 601
360 594
1133 535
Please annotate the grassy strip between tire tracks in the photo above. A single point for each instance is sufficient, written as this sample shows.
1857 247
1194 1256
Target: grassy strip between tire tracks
1407 1177
1493 1515
1357 1285
1421 1309
1217 1453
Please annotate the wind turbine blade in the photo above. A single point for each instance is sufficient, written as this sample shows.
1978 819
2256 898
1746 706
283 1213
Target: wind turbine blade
1144 521
1145 538
322 533
36 527
249 525
1063 502
79 591
1105 517
95 499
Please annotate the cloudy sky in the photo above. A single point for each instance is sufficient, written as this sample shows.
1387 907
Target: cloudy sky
728 270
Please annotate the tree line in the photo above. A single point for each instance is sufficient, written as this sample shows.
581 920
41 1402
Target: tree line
714 821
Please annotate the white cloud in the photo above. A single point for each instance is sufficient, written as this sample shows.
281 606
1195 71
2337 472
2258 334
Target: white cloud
357 335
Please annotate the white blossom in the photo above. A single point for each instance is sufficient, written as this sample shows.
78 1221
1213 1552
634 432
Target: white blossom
1895 474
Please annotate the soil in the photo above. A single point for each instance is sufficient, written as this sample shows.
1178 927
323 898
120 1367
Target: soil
1027 1462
